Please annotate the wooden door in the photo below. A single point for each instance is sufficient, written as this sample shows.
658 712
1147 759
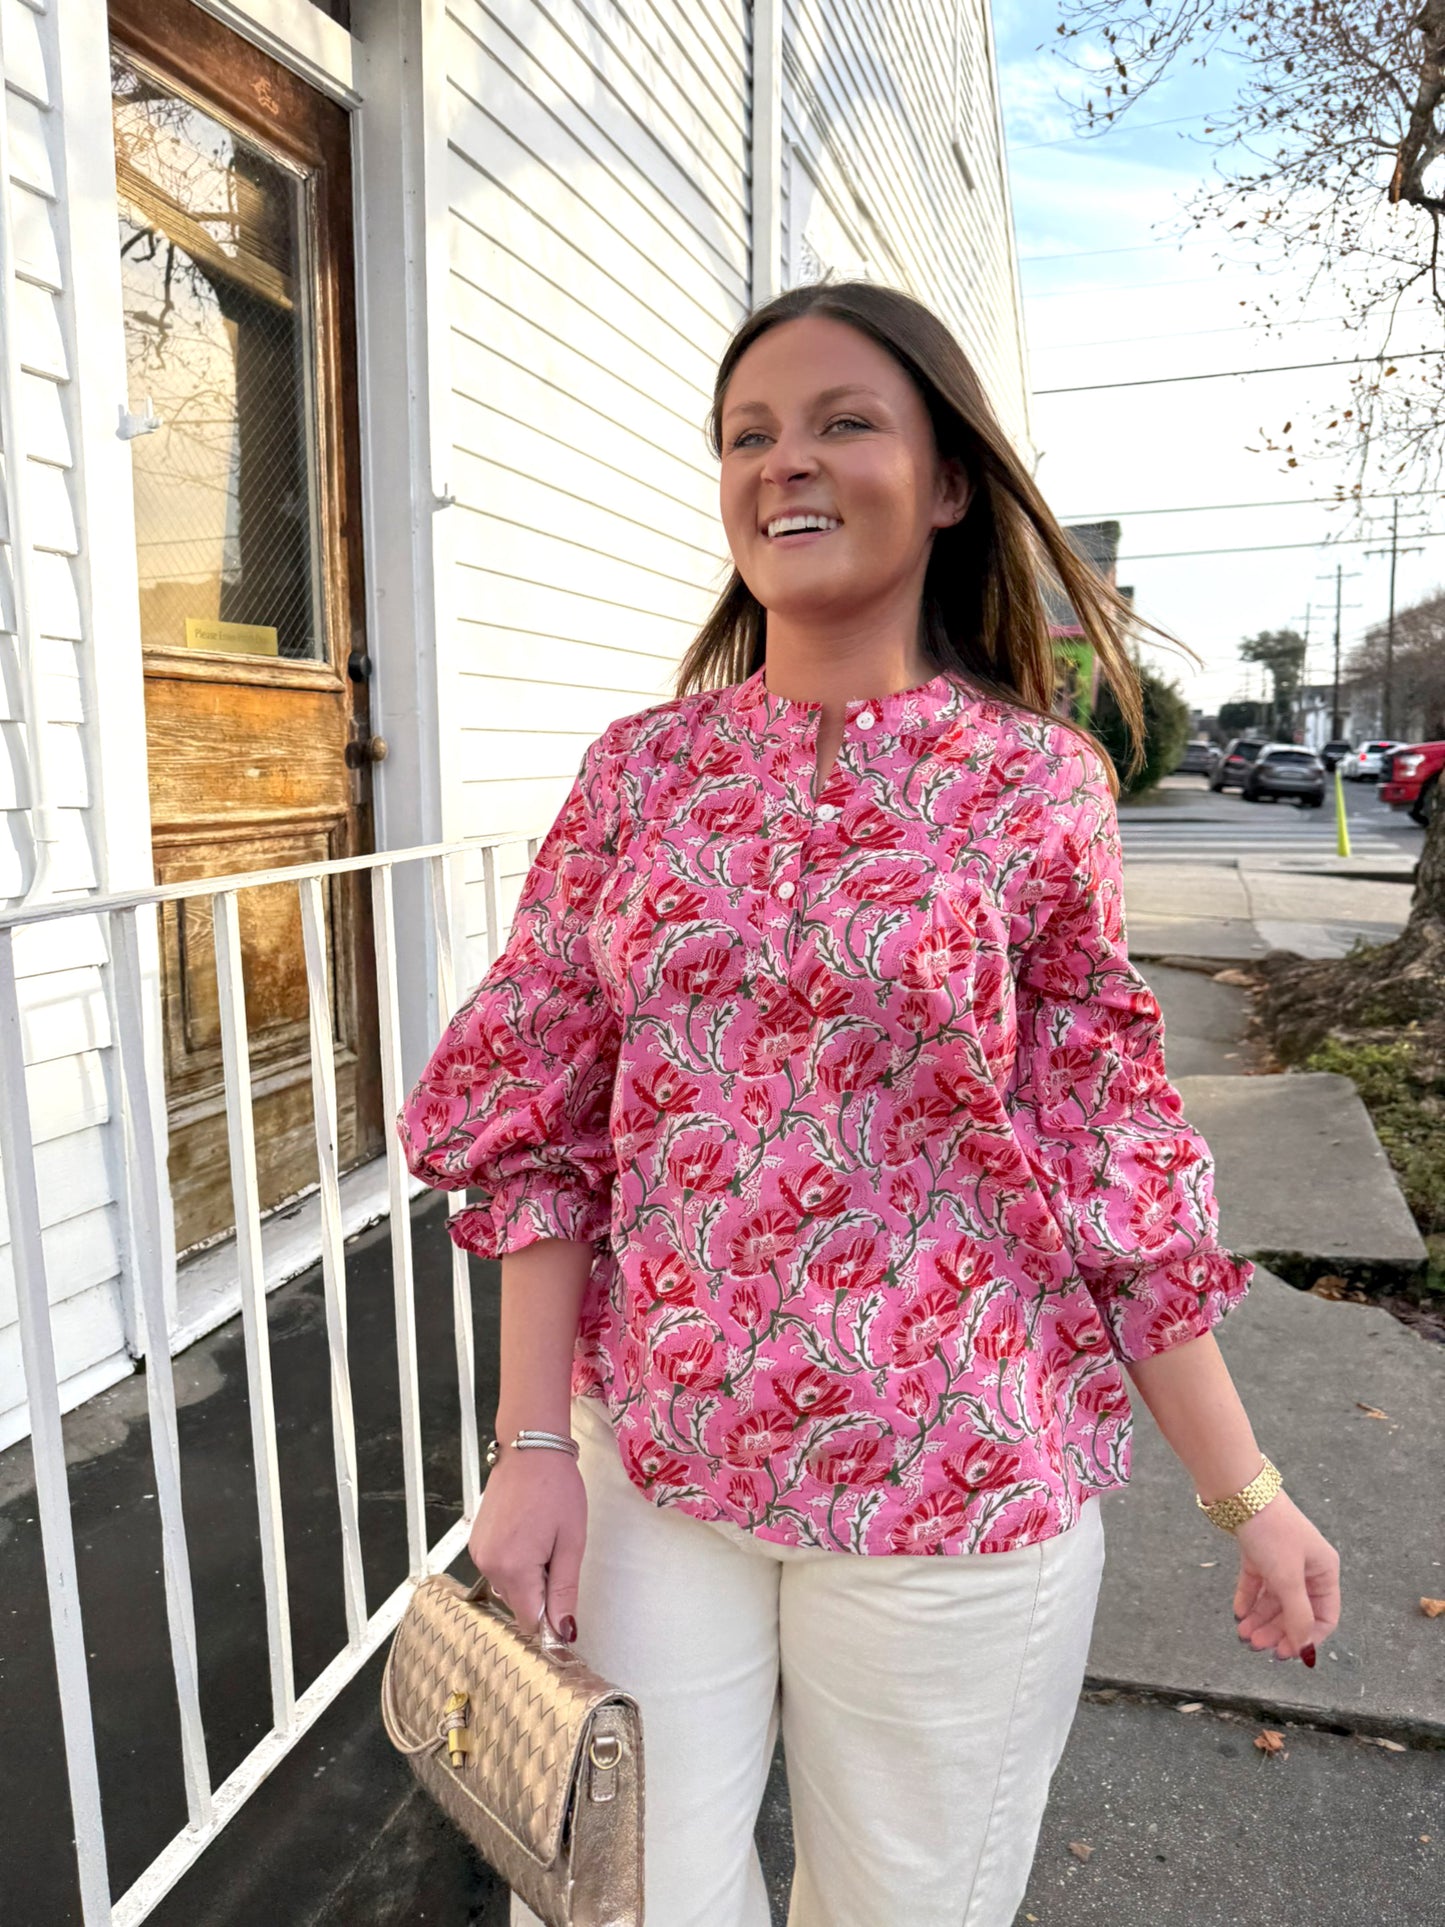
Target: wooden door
235 243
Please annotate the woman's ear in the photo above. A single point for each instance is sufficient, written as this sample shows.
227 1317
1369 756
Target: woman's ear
955 492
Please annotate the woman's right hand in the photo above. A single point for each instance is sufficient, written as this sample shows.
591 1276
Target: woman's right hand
529 1534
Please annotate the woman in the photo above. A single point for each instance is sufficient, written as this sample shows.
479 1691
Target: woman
821 1125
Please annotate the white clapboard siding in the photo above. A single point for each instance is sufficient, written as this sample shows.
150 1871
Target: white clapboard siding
599 253
869 99
64 1015
90 1353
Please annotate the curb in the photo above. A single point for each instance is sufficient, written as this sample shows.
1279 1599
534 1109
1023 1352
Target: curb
1205 966
1425 1736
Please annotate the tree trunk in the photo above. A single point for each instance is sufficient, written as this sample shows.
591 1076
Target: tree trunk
1390 991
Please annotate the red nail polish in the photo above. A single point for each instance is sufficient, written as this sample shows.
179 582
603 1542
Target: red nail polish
1307 1654
568 1629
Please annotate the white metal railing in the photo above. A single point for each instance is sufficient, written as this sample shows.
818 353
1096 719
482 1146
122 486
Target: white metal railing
209 1806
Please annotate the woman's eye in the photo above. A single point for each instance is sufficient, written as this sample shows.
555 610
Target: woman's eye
747 439
847 421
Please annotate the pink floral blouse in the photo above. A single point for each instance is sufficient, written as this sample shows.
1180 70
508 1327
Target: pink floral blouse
863 1106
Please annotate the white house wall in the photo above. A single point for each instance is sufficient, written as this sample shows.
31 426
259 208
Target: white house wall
875 96
599 219
66 1026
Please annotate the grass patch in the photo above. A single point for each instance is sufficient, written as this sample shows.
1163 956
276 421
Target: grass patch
1406 1101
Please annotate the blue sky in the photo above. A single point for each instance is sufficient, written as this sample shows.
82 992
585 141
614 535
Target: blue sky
1118 286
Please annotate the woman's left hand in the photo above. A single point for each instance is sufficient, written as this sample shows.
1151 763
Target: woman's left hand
1288 1596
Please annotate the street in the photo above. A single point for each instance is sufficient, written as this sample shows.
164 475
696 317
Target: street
1183 818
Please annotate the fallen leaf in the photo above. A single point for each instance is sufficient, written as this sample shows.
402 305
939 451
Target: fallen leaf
1242 978
1424 1841
1391 1746
1328 1287
1268 1741
1080 1849
1190 1706
1371 1411
1432 1608
1205 1564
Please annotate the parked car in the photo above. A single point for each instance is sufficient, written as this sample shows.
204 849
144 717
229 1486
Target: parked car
1234 765
1198 759
1283 769
1363 764
1416 781
1335 751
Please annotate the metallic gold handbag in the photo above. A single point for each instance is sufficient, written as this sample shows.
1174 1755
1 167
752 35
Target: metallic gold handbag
533 1755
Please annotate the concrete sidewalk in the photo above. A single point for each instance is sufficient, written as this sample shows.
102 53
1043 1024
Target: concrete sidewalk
1235 910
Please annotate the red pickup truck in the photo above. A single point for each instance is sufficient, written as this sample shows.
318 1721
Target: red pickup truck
1417 780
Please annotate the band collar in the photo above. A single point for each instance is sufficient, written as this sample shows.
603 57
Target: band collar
925 704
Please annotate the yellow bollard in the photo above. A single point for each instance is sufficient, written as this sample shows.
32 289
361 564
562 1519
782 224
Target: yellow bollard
1342 827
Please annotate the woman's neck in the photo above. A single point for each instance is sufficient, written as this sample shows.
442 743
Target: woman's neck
836 666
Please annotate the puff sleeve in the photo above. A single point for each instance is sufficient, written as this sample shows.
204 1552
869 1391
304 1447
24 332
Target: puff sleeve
1129 1181
516 1100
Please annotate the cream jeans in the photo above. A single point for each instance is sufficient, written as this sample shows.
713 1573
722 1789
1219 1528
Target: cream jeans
924 1704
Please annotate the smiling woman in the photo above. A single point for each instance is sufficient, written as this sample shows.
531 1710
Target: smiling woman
822 1126
850 386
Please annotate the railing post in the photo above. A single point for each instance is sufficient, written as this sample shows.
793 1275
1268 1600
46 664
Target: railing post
52 1491
441 910
148 1259
333 1253
491 902
241 1134
389 1016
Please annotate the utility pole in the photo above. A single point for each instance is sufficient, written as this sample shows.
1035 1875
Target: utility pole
1387 695
1335 694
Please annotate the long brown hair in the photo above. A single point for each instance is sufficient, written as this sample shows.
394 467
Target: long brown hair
984 614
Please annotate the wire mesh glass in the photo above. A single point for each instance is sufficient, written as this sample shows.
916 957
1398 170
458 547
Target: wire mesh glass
219 347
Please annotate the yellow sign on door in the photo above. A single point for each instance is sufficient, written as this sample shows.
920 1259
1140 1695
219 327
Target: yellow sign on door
231 638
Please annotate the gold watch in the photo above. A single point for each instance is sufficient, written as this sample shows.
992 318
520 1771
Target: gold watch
1239 1506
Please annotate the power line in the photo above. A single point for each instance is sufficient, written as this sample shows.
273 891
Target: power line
1072 140
1227 374
1287 501
1266 548
1078 254
1189 334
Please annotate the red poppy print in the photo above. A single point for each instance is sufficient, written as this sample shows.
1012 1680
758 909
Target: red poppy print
870 1169
857 1265
853 1458
759 1243
666 1089
697 1364
700 1164
811 1392
931 1525
814 1191
925 1325
649 1464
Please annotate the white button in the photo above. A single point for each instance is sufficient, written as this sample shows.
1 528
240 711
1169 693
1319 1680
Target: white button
827 811
785 890
866 719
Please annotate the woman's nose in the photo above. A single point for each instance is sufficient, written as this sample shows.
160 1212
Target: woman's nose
789 460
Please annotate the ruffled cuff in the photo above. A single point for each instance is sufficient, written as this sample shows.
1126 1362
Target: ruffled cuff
1158 1310
528 1211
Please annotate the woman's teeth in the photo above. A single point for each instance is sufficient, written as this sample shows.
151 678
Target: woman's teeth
799 524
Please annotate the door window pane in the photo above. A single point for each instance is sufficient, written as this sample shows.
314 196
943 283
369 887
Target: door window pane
218 335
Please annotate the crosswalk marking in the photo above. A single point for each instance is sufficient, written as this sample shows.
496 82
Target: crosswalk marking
1205 842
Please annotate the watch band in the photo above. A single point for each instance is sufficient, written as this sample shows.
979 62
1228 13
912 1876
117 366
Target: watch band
1231 1512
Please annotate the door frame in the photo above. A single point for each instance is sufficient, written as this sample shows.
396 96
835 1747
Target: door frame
390 77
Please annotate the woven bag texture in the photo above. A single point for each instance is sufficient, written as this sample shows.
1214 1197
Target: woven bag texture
533 1710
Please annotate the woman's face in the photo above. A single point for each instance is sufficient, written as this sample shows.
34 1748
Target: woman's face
820 423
